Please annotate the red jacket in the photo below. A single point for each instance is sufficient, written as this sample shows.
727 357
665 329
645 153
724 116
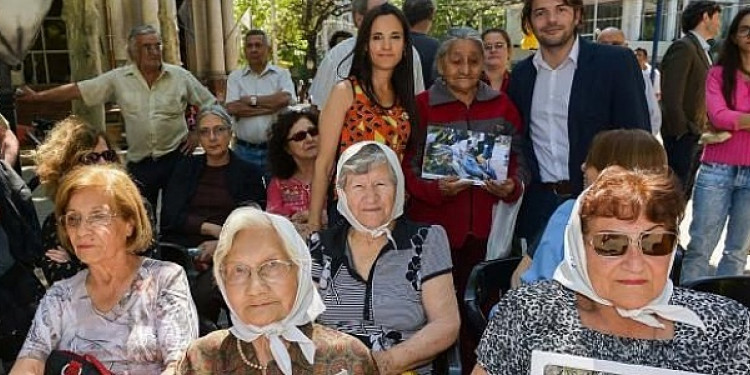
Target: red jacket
470 211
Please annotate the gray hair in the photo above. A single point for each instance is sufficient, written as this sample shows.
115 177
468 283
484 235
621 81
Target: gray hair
137 31
218 111
455 35
245 218
365 160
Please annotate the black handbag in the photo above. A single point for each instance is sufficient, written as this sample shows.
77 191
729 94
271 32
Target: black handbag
63 362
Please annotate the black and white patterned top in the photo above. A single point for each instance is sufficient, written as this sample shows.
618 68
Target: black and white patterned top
385 309
543 316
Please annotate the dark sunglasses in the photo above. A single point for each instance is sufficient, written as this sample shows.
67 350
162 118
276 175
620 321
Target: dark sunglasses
94 157
302 134
614 244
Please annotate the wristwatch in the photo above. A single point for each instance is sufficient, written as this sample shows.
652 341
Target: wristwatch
253 100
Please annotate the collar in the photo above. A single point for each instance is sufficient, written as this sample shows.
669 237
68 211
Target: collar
269 68
439 93
334 240
701 40
295 353
132 69
573 55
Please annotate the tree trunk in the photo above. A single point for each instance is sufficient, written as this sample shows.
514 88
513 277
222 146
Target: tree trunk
82 20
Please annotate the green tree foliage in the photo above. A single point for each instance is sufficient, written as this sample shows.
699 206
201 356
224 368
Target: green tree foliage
300 21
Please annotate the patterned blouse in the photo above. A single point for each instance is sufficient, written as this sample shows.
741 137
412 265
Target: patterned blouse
147 329
387 308
287 197
544 316
217 353
367 121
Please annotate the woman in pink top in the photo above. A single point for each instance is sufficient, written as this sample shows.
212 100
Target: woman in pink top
292 146
722 188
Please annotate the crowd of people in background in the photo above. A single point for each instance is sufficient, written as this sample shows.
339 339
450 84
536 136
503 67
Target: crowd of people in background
317 243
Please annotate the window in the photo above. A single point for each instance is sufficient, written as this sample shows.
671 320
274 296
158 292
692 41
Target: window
47 61
648 25
608 14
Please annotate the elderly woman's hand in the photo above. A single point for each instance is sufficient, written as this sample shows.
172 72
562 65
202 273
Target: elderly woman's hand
450 186
207 251
384 362
58 255
499 189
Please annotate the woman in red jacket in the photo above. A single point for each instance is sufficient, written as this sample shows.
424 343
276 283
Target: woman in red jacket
458 101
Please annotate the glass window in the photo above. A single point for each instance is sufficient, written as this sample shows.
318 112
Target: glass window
608 14
47 62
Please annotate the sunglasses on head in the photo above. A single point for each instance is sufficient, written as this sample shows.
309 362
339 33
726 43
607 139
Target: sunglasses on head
615 244
302 134
94 157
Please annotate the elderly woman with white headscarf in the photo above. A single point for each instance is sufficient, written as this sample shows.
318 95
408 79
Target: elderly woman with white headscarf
611 297
262 267
384 279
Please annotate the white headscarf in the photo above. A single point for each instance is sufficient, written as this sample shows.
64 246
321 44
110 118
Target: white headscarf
307 305
573 274
398 204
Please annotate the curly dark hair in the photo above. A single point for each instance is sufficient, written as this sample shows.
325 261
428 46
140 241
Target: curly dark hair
281 163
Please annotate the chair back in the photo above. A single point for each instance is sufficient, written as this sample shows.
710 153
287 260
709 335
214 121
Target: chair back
734 287
487 282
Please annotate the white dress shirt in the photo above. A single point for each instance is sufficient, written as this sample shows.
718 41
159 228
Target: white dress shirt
654 111
549 115
336 65
244 82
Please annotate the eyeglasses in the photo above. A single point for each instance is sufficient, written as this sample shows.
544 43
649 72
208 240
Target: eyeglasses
151 47
94 157
615 244
743 31
302 134
218 131
269 272
498 46
73 220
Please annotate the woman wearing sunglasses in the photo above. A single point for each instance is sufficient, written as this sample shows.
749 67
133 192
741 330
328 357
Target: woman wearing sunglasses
292 148
611 298
71 143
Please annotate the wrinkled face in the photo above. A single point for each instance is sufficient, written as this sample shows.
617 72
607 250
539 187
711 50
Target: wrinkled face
256 50
147 52
96 231
496 50
631 280
370 196
462 66
214 136
307 148
386 44
553 22
259 301
742 37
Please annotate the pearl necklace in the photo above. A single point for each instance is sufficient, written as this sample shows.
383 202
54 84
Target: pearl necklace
247 361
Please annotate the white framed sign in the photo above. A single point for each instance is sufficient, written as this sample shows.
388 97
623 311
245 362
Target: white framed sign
547 363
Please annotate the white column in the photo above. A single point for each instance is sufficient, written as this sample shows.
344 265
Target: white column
169 33
632 13
513 23
670 27
215 40
200 45
119 15
231 36
150 13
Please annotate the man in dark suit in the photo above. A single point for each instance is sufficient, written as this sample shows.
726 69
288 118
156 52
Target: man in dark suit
419 14
570 90
683 89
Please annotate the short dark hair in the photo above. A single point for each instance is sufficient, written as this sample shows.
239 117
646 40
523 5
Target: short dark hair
257 32
641 50
693 13
418 10
282 164
359 7
529 4
333 40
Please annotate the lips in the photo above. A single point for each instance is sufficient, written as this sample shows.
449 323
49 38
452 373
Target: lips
634 282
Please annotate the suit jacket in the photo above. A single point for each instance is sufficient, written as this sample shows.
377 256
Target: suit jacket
607 93
683 87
